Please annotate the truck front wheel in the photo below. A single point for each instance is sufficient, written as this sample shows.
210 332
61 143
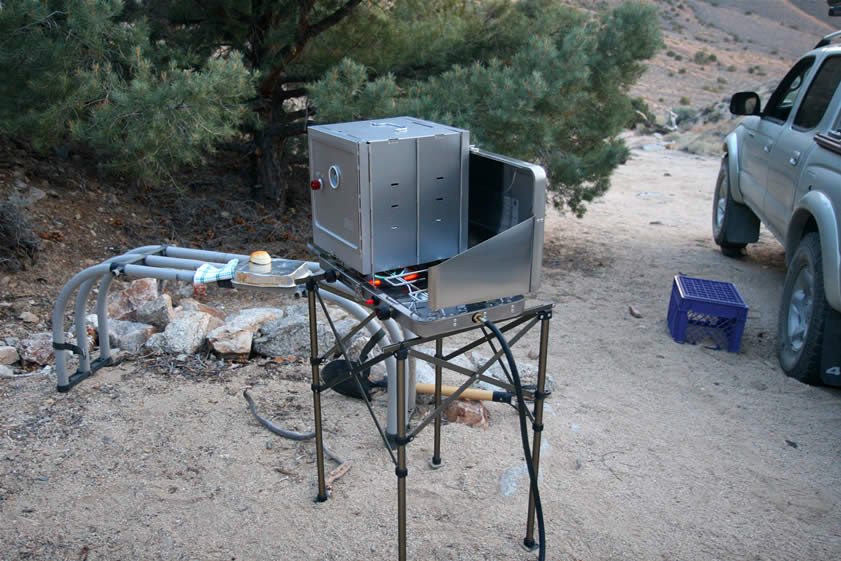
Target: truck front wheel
803 313
722 203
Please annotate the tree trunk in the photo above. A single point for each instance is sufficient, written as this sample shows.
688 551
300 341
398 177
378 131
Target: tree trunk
280 125
270 168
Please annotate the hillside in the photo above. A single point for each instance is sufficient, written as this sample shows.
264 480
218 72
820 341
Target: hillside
716 47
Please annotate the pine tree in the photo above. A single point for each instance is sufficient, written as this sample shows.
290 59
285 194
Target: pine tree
530 79
73 71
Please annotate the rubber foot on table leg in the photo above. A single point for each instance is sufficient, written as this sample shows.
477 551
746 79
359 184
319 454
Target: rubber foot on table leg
529 544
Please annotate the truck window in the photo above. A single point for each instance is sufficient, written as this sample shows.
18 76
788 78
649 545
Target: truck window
783 98
819 94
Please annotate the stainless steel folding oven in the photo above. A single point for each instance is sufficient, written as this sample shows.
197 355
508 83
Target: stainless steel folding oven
431 222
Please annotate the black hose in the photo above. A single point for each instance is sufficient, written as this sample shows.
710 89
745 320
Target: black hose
524 435
286 433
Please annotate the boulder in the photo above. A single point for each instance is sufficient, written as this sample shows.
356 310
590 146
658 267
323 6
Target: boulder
187 332
37 349
156 343
290 336
157 312
191 305
527 371
469 412
6 372
233 339
8 355
129 336
178 291
123 305
24 195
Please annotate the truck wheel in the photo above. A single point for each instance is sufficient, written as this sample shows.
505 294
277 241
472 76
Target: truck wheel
723 210
803 313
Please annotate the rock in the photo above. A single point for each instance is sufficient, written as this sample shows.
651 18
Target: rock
178 290
156 342
290 335
24 195
12 341
233 340
8 355
37 349
510 480
424 374
634 312
92 325
186 333
157 312
469 412
6 372
527 371
129 336
123 305
192 305
28 317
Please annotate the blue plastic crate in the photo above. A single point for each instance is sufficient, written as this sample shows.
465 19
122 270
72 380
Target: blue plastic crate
701 309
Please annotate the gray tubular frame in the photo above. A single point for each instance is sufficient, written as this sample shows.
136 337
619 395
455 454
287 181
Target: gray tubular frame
164 263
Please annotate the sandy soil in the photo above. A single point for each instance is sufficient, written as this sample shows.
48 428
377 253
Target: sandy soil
654 450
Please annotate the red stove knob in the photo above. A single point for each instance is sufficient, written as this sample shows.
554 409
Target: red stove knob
315 184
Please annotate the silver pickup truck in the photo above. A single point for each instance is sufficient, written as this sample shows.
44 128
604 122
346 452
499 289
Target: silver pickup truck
782 166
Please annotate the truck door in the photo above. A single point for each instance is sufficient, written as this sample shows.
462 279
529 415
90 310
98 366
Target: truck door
790 152
761 135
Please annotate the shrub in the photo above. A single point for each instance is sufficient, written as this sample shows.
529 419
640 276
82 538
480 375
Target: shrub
17 242
685 115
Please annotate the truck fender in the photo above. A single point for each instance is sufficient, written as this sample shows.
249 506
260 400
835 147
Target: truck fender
816 205
731 149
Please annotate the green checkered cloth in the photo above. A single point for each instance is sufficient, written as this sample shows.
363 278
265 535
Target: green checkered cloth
208 273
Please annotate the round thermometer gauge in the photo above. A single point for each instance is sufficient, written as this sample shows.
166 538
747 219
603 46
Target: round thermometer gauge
335 176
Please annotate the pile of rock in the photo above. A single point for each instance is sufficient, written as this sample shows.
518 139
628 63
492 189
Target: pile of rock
141 318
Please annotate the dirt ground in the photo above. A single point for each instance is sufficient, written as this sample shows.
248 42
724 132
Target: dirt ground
653 449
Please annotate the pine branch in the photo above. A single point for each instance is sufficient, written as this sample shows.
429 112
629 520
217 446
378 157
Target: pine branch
305 34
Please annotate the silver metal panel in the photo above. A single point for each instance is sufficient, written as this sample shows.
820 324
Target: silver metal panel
498 310
365 207
393 203
336 212
465 192
514 192
498 267
439 197
391 128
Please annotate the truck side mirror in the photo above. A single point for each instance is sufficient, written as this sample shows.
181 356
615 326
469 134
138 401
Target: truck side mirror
745 103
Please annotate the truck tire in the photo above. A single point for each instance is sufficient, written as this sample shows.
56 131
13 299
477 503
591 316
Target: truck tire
803 313
734 224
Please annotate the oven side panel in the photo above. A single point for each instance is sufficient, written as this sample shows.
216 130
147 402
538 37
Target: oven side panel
393 192
337 211
439 197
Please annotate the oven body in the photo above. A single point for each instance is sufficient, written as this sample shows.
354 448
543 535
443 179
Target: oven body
391 193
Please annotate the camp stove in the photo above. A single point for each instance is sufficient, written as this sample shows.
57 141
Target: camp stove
411 216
